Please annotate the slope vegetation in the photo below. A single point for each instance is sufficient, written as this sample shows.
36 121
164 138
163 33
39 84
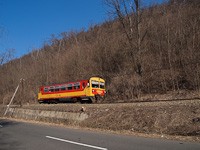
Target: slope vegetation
169 59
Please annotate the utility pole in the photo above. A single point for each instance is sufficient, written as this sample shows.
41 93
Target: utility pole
21 80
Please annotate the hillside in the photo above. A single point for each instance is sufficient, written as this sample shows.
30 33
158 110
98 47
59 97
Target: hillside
168 61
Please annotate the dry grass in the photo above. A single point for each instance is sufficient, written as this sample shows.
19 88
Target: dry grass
172 118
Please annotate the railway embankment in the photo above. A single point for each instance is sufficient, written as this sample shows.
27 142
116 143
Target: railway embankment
51 116
171 118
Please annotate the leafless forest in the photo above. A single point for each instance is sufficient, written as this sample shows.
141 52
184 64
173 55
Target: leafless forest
140 52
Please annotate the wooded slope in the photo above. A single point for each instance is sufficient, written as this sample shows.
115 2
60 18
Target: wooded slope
169 58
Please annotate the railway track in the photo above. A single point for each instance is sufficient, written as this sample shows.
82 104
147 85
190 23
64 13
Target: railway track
163 100
152 101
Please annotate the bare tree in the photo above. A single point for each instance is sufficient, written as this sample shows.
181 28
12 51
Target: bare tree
6 56
128 12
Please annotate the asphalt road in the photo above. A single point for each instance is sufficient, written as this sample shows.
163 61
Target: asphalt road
28 136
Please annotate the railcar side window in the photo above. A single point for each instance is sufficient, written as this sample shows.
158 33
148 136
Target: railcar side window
57 88
69 86
77 85
46 90
63 88
52 89
95 84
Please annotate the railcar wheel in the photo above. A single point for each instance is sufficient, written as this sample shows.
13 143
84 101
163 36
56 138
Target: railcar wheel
92 100
98 98
74 100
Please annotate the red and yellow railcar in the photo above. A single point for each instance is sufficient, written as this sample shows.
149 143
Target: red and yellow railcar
84 90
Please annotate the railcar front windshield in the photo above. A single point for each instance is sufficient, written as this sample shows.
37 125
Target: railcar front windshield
95 84
102 85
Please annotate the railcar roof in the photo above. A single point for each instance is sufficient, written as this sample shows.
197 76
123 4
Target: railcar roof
59 84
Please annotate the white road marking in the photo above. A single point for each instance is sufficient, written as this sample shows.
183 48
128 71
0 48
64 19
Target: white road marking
67 141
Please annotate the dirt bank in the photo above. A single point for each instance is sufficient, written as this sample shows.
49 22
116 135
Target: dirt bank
177 118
